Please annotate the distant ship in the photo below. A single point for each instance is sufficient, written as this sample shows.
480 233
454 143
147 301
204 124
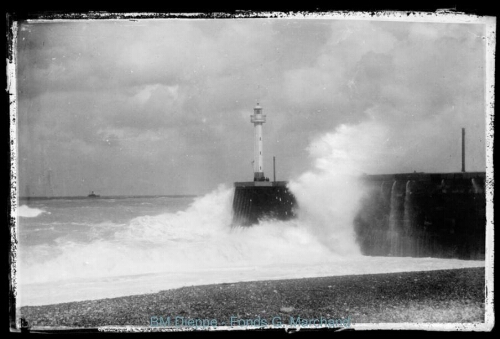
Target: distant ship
93 195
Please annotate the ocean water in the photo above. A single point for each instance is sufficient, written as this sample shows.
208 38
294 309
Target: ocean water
80 249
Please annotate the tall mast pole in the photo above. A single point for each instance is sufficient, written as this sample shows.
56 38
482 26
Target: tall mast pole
463 150
274 168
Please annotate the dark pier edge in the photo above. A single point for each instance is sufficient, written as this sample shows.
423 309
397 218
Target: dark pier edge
258 200
439 215
423 215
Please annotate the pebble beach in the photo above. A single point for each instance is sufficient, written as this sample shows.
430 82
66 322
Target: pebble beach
441 296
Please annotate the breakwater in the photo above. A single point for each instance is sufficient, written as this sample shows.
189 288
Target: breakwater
423 215
258 200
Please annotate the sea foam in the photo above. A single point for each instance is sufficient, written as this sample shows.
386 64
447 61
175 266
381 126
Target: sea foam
29 212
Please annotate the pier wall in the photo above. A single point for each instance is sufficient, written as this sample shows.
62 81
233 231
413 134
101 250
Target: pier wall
423 215
254 201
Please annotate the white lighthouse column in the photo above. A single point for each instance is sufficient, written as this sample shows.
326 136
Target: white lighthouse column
258 149
258 165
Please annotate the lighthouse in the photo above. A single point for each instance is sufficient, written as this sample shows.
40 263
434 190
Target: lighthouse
261 199
258 164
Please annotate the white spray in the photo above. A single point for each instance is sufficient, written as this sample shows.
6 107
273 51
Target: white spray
201 237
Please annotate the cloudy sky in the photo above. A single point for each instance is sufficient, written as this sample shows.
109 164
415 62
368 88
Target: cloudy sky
163 106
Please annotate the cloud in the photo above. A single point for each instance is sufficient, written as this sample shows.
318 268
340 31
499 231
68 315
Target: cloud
174 96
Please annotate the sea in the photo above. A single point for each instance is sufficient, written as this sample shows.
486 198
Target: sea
80 248
74 249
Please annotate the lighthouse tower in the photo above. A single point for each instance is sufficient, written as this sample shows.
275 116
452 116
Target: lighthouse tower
258 164
260 199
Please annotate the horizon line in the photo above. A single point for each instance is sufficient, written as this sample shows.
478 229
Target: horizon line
108 196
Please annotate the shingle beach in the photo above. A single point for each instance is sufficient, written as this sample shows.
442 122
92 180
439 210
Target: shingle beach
444 296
